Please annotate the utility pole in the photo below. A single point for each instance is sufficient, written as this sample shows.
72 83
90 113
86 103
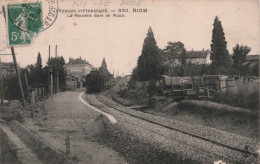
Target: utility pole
56 51
26 82
51 70
51 87
57 84
49 52
1 74
18 75
1 85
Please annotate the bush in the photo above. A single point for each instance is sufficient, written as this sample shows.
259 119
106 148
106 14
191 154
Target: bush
151 88
239 99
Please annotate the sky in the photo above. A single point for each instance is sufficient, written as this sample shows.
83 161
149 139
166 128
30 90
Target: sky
120 39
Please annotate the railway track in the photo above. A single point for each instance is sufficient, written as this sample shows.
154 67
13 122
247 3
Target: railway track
245 152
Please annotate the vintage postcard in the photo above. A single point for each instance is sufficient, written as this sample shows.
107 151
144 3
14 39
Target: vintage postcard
129 81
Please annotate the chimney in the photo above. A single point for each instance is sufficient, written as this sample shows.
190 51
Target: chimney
56 51
49 52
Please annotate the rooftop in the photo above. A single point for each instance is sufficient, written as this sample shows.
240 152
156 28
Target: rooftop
78 61
253 57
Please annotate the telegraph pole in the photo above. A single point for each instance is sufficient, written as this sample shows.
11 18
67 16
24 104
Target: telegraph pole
51 70
1 74
1 85
26 82
18 75
57 84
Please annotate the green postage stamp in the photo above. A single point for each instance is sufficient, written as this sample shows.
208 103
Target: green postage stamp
24 22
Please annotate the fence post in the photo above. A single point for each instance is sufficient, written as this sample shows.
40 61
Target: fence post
51 87
207 90
67 144
32 103
42 93
1 85
36 95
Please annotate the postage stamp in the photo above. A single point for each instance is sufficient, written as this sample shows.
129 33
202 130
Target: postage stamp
24 22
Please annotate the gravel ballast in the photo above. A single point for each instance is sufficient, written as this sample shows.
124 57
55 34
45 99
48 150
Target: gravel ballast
174 141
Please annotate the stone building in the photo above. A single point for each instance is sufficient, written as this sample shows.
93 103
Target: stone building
76 70
198 57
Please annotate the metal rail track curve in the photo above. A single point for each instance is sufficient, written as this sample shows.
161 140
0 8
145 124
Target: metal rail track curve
248 153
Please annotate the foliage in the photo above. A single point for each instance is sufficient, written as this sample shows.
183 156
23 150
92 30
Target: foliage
149 64
176 50
11 88
37 73
133 79
151 88
190 69
38 65
250 71
240 99
219 53
239 56
57 64
77 61
255 70
104 64
174 59
104 71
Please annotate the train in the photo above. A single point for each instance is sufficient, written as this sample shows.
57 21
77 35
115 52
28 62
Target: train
96 82
194 86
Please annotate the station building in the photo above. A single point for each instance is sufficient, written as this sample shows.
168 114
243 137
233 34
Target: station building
76 70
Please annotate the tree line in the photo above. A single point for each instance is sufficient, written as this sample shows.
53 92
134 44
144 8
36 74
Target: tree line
37 76
154 62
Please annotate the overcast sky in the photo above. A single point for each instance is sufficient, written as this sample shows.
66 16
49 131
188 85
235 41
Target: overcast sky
120 40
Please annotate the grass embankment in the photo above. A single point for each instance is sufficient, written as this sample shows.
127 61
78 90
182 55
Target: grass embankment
130 97
239 99
8 152
232 119
233 112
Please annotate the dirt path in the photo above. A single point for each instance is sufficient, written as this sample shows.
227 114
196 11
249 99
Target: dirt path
67 115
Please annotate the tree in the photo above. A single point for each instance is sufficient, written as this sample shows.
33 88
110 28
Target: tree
239 56
175 55
176 50
104 64
57 64
35 73
149 62
39 61
103 70
219 53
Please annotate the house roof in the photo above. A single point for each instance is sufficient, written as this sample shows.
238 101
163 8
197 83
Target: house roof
77 65
253 57
197 54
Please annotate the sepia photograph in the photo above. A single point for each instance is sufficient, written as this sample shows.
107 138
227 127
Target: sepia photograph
129 81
